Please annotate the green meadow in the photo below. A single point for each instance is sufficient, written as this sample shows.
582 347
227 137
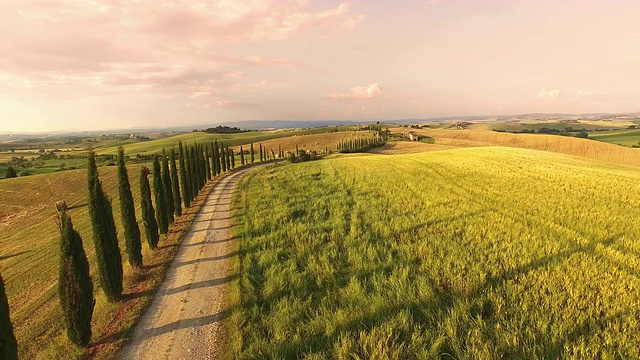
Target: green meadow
476 253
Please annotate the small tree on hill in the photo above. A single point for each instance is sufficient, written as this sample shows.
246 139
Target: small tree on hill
241 156
75 288
261 153
167 190
216 155
223 157
11 172
252 154
148 218
233 158
175 185
161 206
8 344
104 235
127 210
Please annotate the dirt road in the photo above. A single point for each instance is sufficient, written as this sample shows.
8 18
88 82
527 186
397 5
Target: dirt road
185 319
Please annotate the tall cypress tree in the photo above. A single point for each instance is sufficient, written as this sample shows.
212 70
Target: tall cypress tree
233 159
193 173
104 235
167 190
175 184
261 153
213 160
207 165
279 152
186 194
223 159
228 152
161 206
8 344
75 288
216 155
241 156
127 210
148 216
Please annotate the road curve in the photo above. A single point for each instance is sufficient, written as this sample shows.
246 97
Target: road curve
184 320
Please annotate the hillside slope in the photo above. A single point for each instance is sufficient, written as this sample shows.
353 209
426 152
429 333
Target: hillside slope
565 145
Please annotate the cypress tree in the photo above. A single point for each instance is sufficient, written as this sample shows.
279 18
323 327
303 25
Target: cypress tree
161 206
202 167
148 218
11 172
207 165
241 156
279 152
175 184
183 176
75 288
167 190
261 156
193 173
128 212
216 155
228 153
213 160
233 159
252 154
297 151
104 235
223 158
8 344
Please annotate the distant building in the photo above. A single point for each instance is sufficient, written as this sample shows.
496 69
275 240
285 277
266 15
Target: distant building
133 136
413 136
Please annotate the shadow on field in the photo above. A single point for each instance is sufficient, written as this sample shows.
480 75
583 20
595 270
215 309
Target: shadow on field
77 206
5 257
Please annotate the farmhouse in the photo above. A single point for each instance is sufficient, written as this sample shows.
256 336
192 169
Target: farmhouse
413 136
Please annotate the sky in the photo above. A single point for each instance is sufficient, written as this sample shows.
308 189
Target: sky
104 64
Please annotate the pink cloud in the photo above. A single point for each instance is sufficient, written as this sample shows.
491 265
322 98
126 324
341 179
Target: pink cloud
372 91
159 46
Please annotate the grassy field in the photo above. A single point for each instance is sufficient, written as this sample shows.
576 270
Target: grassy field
477 253
625 137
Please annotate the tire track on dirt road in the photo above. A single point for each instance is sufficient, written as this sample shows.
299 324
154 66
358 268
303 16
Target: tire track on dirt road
185 319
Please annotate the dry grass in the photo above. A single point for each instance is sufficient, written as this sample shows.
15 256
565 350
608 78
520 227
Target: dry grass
566 145
313 142
408 147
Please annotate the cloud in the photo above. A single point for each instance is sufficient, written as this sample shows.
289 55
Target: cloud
168 47
372 91
548 94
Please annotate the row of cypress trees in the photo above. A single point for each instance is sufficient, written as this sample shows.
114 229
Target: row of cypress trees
175 182
360 144
173 185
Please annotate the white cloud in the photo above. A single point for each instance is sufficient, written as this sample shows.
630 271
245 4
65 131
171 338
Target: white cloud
548 94
359 93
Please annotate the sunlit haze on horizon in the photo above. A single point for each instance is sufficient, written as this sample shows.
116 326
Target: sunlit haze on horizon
84 65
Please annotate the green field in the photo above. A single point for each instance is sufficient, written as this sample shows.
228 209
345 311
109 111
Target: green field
477 253
626 137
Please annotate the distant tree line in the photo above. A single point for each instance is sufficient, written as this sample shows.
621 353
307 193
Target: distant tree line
224 130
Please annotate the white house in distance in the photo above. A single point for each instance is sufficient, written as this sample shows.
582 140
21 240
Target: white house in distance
413 136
